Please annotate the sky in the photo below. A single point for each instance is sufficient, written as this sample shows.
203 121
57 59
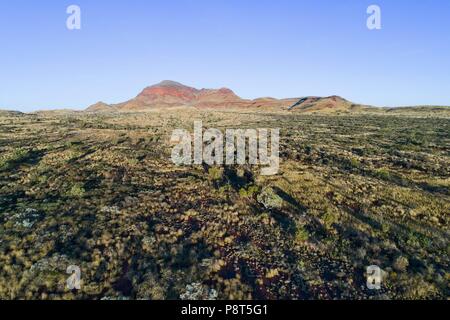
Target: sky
258 48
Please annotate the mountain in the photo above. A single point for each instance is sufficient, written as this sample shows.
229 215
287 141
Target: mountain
99 107
323 104
173 94
168 94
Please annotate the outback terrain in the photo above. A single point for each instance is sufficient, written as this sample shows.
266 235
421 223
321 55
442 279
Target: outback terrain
357 186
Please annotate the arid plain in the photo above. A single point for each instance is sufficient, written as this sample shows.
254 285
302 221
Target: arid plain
357 186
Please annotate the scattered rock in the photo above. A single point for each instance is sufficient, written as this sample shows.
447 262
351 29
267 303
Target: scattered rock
27 218
110 209
119 298
197 291
54 263
270 199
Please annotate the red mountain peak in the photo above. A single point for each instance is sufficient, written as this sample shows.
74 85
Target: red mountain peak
168 89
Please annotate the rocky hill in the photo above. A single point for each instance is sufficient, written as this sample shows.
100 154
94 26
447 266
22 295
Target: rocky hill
167 94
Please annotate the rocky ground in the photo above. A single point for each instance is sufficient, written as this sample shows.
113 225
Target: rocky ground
99 191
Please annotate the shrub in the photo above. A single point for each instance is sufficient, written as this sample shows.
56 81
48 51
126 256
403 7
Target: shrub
250 192
401 264
354 163
383 174
215 173
77 191
301 234
19 155
329 218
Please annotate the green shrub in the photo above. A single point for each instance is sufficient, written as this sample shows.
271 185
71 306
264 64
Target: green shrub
329 218
77 191
215 173
354 163
382 174
301 234
18 156
250 192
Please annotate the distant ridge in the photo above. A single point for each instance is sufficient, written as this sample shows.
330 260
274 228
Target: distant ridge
5 112
171 94
325 104
168 94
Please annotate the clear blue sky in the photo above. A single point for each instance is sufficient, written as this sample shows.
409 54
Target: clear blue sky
282 48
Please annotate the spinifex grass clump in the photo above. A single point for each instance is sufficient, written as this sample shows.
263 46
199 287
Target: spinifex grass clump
13 158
